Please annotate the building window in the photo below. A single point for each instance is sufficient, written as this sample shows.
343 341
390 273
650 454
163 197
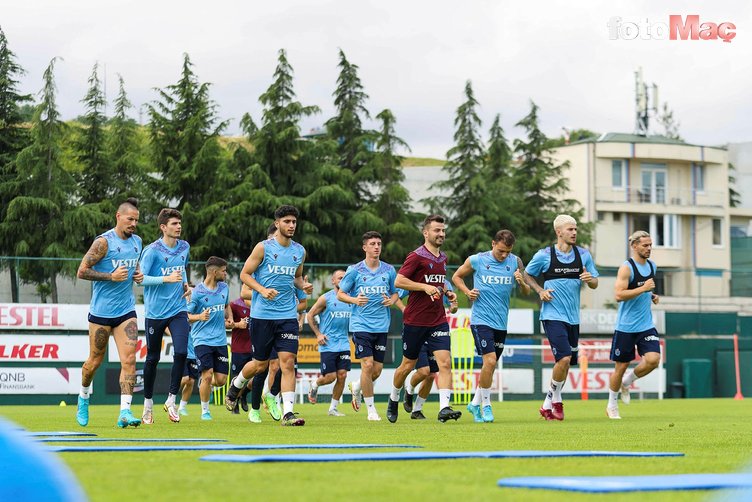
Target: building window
698 177
717 232
601 215
616 217
618 174
653 186
663 228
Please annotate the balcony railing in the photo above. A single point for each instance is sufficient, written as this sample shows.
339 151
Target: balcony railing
662 196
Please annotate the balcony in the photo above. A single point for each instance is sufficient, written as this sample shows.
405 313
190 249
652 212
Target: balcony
660 196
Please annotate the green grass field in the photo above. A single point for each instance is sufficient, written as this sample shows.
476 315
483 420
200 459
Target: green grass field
713 433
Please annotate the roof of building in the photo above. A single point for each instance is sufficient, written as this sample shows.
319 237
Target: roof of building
620 137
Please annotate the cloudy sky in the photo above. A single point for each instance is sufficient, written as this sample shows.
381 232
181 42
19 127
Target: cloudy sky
414 58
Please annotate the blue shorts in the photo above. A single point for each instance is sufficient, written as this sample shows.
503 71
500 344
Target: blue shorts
270 334
238 360
191 369
370 345
413 338
112 322
179 330
212 358
623 344
488 340
564 339
335 361
427 359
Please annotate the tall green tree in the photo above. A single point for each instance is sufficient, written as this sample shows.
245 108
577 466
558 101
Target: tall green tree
499 170
467 203
542 184
43 217
669 123
96 172
13 135
347 129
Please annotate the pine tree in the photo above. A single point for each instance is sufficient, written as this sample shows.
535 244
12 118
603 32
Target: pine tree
498 170
13 135
541 183
96 176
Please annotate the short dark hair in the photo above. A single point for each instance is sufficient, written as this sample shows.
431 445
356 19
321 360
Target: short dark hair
167 213
129 203
371 234
271 230
505 236
431 218
286 210
215 261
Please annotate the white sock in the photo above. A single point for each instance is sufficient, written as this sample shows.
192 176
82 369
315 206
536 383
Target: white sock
204 407
444 395
125 401
148 404
355 386
85 391
369 404
486 396
183 404
409 386
333 404
418 405
266 388
288 401
395 395
556 389
239 382
476 397
170 399
613 396
629 379
315 385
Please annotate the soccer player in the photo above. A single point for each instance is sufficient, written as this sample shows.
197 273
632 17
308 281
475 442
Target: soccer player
165 289
564 267
424 274
209 312
240 344
635 282
112 264
495 274
273 270
334 343
369 285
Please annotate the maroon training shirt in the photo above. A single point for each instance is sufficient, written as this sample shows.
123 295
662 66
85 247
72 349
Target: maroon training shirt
422 266
241 338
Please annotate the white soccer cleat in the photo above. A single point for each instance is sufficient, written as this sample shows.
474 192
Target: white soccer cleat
374 417
356 394
613 412
172 412
625 397
147 418
335 413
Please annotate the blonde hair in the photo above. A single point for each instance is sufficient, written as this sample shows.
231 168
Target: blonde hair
637 235
563 219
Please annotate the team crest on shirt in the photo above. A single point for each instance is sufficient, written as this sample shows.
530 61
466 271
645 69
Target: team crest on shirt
118 249
166 259
294 258
508 268
275 256
135 249
488 267
430 265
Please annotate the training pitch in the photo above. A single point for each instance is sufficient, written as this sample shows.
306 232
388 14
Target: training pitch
713 433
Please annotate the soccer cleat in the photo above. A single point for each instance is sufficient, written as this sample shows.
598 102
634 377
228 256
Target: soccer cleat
557 411
547 414
244 404
82 413
254 416
613 412
374 417
335 413
356 395
231 397
126 419
392 410
291 419
474 410
488 414
625 397
272 407
408 403
183 412
147 418
206 416
236 409
447 413
313 392
172 412
417 415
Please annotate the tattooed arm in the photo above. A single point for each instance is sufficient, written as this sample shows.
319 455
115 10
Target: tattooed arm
96 252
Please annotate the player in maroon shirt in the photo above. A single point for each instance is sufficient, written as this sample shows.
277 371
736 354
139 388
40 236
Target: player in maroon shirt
240 346
423 274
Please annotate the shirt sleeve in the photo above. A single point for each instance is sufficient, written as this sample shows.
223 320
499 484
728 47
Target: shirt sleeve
187 259
301 295
348 281
538 264
392 278
411 264
147 261
193 304
474 261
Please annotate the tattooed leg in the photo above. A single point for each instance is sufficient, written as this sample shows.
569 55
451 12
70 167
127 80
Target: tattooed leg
127 382
98 336
126 338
